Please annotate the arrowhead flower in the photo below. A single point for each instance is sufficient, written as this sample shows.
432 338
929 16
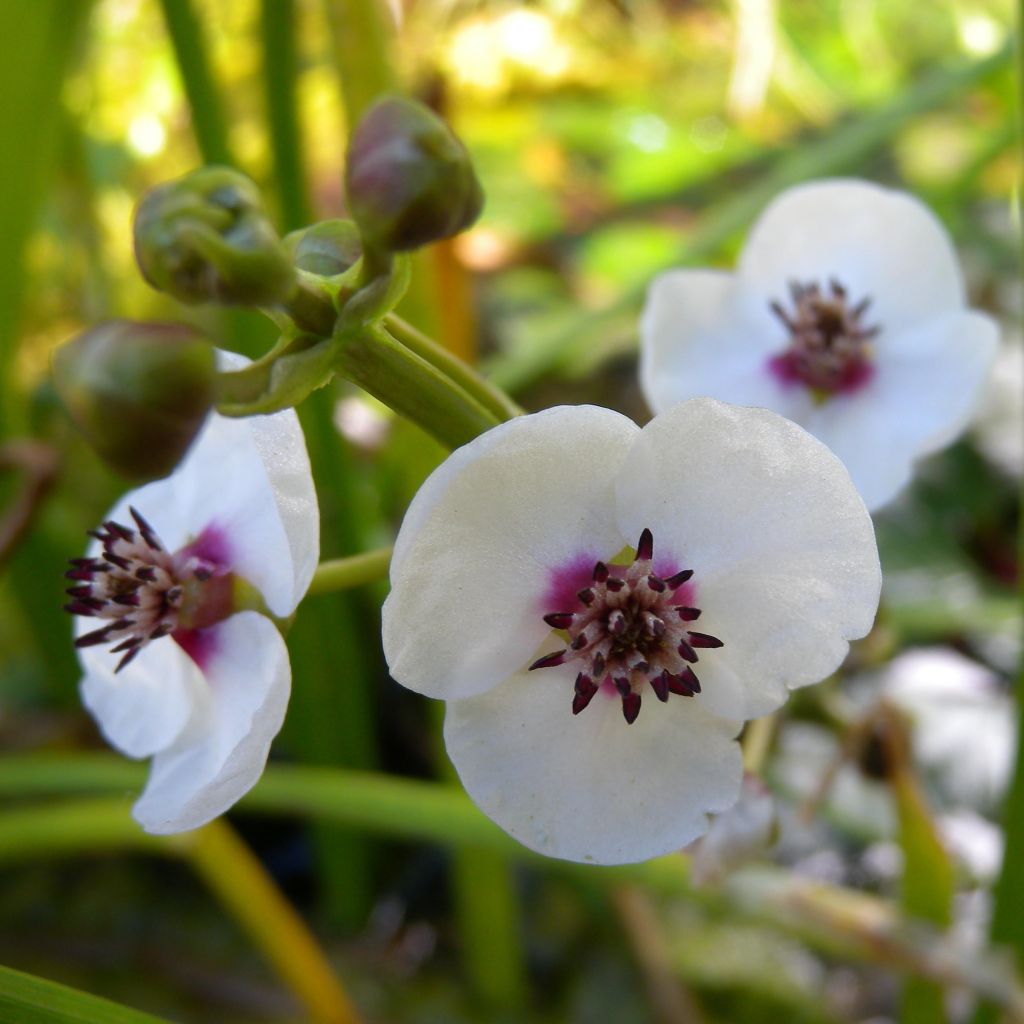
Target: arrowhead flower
601 606
846 314
177 663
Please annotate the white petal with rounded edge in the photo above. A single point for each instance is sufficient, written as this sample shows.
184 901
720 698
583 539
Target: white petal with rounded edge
224 748
144 707
926 386
251 479
472 558
703 334
783 549
876 242
590 787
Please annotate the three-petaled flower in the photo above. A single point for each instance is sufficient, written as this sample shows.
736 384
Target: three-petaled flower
567 567
846 314
178 663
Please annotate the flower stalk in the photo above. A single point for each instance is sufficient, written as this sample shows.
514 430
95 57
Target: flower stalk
346 573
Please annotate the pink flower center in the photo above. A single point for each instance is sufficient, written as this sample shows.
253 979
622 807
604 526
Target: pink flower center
147 593
829 349
629 627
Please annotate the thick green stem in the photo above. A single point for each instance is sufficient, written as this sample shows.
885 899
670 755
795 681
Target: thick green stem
487 394
345 573
413 387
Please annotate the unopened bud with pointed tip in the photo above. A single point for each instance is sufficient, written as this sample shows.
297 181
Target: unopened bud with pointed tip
410 181
205 238
138 392
325 249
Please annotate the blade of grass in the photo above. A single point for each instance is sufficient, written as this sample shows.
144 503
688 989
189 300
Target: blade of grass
26 999
37 47
192 55
331 719
280 70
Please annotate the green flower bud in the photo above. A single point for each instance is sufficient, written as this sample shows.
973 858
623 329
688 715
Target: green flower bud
205 238
138 392
325 249
409 179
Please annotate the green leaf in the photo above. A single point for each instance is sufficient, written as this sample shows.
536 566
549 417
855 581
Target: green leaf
25 999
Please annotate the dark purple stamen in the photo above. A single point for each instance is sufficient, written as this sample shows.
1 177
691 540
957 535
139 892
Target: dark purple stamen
627 630
134 571
829 348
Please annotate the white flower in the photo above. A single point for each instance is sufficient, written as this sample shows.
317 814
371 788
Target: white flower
846 314
517 554
192 682
965 727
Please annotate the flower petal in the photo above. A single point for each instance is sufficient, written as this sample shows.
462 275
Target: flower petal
874 241
703 333
786 567
250 480
476 549
590 787
144 707
222 752
928 383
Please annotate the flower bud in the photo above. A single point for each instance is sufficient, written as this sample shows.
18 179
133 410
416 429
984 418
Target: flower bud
138 392
325 249
409 179
205 238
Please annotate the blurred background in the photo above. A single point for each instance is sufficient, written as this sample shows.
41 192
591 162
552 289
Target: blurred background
614 139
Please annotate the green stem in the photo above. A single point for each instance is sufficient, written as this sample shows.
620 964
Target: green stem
248 893
353 571
413 387
193 58
280 70
487 394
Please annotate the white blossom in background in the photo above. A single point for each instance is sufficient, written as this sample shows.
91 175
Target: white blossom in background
177 664
743 833
567 567
1000 427
847 314
963 720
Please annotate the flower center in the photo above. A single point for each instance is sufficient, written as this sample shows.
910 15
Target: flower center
829 349
629 628
144 591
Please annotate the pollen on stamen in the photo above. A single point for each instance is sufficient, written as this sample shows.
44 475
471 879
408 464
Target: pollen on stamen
630 629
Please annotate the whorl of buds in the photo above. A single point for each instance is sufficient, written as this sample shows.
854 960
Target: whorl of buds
205 238
410 181
138 392
325 249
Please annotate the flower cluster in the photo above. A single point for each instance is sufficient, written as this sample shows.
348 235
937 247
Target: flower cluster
602 606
